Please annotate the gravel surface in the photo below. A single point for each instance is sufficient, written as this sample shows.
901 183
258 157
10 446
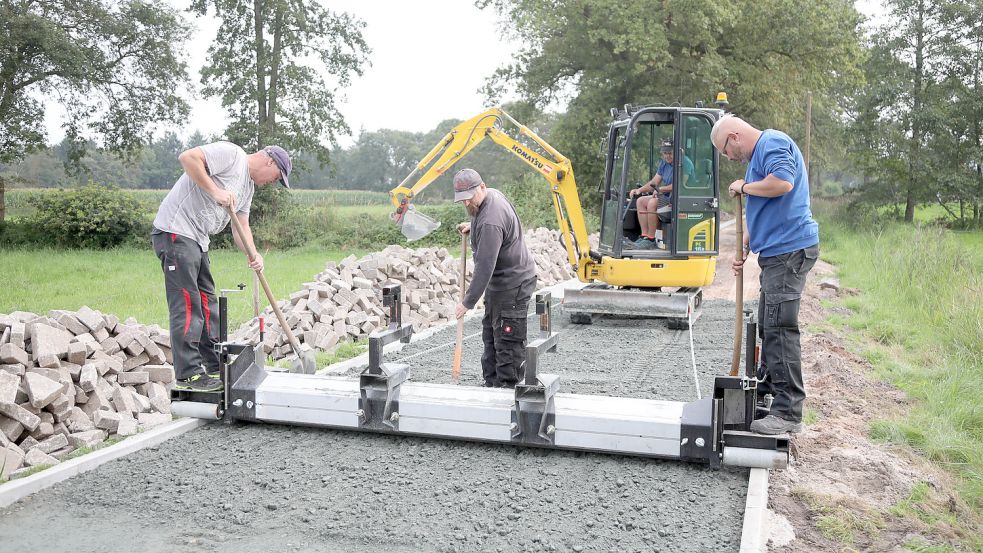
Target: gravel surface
258 488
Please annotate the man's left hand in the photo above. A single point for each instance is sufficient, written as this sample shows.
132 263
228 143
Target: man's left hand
460 310
257 263
735 188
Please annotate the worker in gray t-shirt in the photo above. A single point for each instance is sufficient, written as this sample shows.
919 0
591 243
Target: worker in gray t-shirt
504 271
216 177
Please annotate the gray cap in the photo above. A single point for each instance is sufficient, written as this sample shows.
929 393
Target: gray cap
466 183
666 146
282 160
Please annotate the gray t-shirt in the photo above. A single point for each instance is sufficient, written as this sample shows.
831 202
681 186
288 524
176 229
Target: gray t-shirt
189 211
501 259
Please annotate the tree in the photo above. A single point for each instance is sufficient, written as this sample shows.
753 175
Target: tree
919 119
266 65
112 66
599 54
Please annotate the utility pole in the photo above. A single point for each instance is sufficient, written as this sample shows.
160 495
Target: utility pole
808 136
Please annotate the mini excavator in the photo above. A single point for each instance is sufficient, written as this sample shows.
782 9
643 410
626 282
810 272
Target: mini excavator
622 279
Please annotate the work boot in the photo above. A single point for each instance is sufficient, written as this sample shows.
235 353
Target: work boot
773 424
200 383
215 373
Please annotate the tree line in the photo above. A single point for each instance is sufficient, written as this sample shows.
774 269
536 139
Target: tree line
897 114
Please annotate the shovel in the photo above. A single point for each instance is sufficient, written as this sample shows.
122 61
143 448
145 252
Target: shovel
735 360
415 225
456 371
305 362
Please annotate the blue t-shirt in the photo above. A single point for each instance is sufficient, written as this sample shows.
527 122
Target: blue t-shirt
782 224
665 169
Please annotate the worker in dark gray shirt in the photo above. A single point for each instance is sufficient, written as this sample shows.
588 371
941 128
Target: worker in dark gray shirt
504 271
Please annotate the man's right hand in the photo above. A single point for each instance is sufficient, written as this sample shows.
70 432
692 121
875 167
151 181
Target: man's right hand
464 228
634 192
224 198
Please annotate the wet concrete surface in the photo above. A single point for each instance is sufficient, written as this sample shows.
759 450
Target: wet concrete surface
250 488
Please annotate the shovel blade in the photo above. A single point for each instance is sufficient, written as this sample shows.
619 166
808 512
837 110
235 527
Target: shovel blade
415 226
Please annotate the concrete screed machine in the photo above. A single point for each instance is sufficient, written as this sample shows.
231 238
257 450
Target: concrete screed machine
383 399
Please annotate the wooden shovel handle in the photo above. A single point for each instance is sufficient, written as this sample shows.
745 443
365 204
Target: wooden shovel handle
735 360
266 288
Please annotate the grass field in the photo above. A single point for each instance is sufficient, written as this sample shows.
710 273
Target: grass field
920 323
128 281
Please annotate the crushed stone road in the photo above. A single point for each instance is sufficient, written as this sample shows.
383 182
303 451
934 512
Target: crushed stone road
247 488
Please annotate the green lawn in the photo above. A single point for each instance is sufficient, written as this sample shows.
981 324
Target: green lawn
919 321
128 281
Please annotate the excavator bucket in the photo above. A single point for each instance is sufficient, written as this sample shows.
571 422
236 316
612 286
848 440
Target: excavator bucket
415 226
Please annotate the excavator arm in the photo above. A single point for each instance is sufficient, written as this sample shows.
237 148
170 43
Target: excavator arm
549 163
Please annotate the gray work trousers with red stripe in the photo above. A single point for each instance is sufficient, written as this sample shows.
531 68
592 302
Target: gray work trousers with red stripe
191 302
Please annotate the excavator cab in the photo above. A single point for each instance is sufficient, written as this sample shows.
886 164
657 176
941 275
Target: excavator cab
690 222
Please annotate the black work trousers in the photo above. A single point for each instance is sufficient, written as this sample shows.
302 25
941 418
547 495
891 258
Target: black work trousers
503 330
783 277
191 301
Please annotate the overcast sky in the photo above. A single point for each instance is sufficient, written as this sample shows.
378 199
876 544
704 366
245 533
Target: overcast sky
429 59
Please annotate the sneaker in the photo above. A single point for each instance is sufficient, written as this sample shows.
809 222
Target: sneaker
644 244
627 244
214 373
772 425
200 383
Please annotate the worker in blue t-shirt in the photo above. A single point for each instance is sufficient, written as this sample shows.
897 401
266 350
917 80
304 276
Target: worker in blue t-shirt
779 227
649 206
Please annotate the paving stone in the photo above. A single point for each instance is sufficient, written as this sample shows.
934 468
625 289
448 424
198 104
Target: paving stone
160 373
11 354
107 420
53 443
160 398
80 396
127 426
91 318
150 420
36 458
98 401
134 362
48 342
124 401
43 430
18 334
28 419
16 370
11 459
27 443
8 387
62 405
142 402
86 438
88 376
76 353
40 389
71 323
10 428
133 377
78 421
101 335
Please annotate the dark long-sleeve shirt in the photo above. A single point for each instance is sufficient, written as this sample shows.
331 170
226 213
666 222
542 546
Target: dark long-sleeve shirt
501 259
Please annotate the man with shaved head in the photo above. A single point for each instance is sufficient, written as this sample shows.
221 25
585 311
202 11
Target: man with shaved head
504 271
779 227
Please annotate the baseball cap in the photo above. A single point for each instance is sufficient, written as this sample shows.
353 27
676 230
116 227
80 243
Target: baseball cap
282 160
666 146
466 183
